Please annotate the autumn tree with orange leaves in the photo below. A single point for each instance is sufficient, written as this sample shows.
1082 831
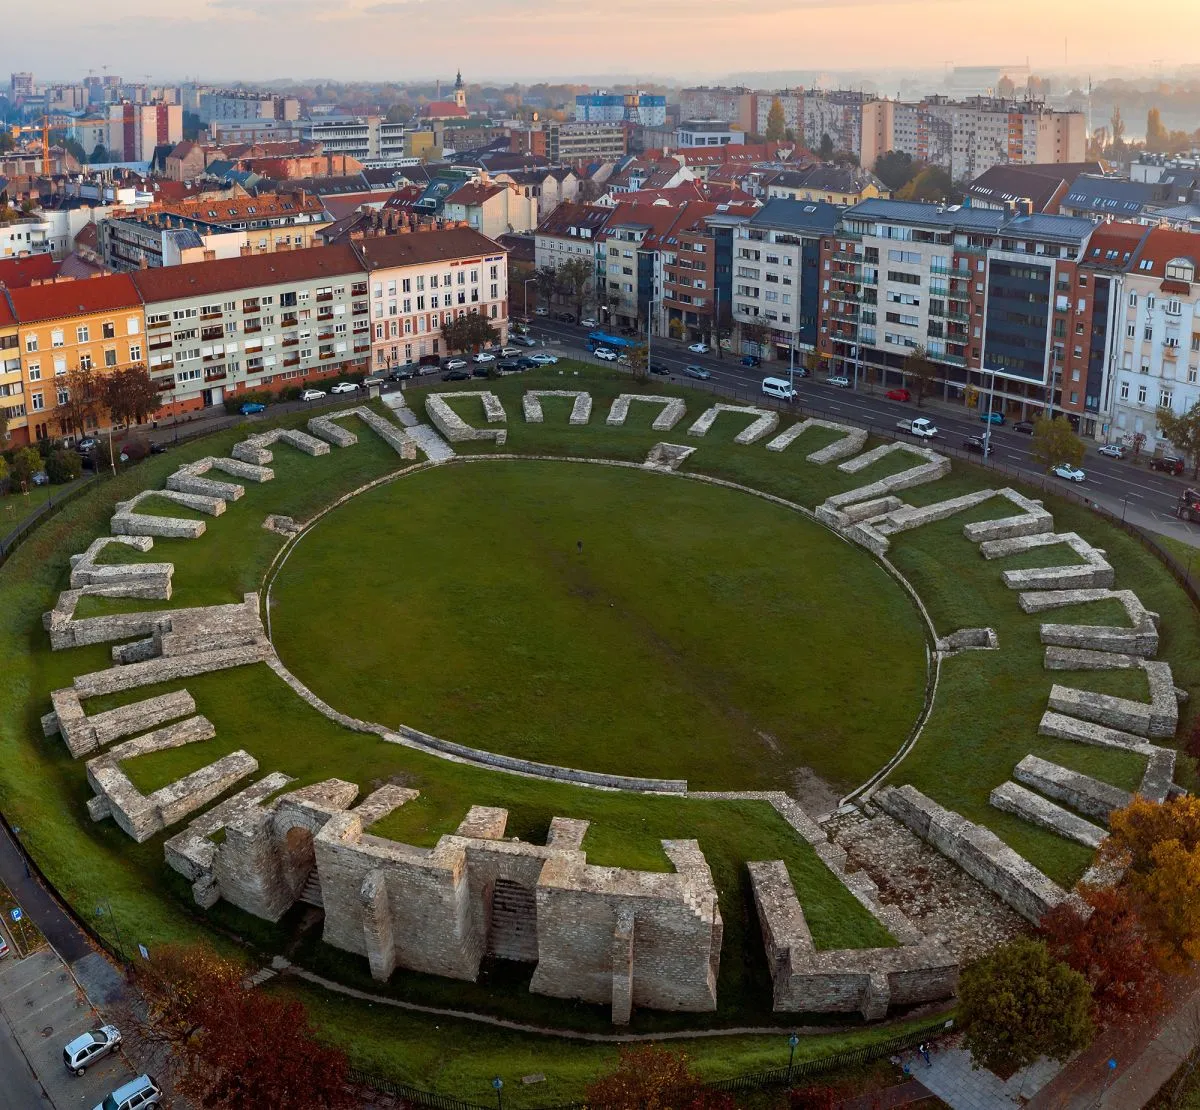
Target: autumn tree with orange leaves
648 1077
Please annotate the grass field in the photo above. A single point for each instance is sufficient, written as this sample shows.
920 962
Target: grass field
983 722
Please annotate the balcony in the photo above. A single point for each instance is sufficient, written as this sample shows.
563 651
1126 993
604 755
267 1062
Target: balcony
324 335
953 360
325 357
214 374
323 298
358 289
293 361
159 325
252 329
324 317
210 316
292 342
361 309
290 322
1170 354
250 306
209 334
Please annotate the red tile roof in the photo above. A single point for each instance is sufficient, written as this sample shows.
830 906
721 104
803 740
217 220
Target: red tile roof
1162 245
169 283
7 319
1120 240
445 109
17 273
416 247
39 303
237 209
475 192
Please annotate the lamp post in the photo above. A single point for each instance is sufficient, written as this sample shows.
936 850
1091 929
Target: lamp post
793 1040
498 1084
987 434
1124 504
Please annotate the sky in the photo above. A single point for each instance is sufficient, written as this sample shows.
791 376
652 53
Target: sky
687 40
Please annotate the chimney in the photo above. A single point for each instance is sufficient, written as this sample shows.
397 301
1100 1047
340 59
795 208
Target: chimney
1024 207
246 250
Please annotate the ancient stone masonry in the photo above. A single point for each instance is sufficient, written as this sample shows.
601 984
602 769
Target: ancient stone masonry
183 482
233 467
1094 573
866 980
1139 639
1032 519
765 422
141 524
201 503
436 449
1160 761
454 428
853 440
1159 718
1083 659
581 410
1013 798
969 639
84 734
601 934
1081 792
282 525
977 850
149 580
672 413
667 456
393 435
256 449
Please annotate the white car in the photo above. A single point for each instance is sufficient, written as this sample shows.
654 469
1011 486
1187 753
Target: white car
1113 450
588 322
839 381
605 355
89 1047
456 364
543 360
312 395
508 352
699 348
1071 473
483 356
344 387
137 1094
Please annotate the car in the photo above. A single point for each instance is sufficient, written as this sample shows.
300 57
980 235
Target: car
372 380
526 364
1025 427
839 380
992 417
252 407
39 478
659 368
482 357
541 311
455 364
605 355
89 1047
404 373
88 443
312 395
506 352
751 360
1169 464
3 947
588 322
695 370
480 371
543 359
508 366
1113 451
134 1095
1071 473
565 317
461 375
523 340
699 348
158 448
898 395
976 444
922 427
344 387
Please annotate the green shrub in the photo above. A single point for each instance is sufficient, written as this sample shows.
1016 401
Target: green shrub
64 466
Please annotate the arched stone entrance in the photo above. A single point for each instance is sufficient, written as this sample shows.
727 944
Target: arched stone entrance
300 861
512 922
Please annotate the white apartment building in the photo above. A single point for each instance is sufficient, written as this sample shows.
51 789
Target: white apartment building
367 138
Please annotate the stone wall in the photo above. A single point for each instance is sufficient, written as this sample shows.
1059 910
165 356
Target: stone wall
256 449
1013 798
1032 519
140 524
852 442
132 579
1095 571
1083 659
1081 792
765 422
667 457
581 410
1159 718
454 428
1141 638
233 467
672 413
392 434
83 734
206 487
200 502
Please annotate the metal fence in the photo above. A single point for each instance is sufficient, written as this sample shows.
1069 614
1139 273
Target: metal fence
14 539
785 1076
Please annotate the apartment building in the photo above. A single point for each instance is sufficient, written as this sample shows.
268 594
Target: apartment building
367 138
777 276
95 324
647 109
834 184
422 280
571 231
571 143
133 131
234 105
493 207
261 322
737 105
630 288
12 384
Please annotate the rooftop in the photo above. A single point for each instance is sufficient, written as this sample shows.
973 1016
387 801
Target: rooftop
800 215
418 247
39 303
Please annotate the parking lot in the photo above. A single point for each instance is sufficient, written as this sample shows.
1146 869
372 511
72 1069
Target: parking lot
44 1008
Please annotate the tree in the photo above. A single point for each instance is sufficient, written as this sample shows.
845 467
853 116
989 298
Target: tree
649 1077
25 463
1117 127
468 333
825 150
546 282
1055 442
75 150
130 395
63 466
1006 87
776 126
7 142
3 428
576 275
100 154
896 169
639 361
1110 949
3 470
757 334
931 185
1018 1003
919 372
1139 441
1157 138
233 1047
83 401
1183 433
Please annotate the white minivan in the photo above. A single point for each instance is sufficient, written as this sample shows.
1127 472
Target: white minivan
779 387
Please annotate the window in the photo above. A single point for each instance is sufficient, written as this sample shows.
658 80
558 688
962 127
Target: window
31 343
1141 395
420 283
82 334
62 395
1133 300
1191 375
60 365
1173 307
1131 331
35 371
185 313
108 330
1147 332
1165 397
135 352
1124 391
110 356
38 402
56 338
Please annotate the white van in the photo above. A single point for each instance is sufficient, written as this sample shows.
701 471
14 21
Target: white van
779 387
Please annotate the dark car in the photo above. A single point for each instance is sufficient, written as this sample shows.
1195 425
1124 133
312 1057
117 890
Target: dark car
751 360
974 443
509 366
659 368
526 364
1024 426
252 407
158 448
405 372
457 375
566 317
1169 464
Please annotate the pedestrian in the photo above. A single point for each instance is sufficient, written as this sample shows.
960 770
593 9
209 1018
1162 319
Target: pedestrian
924 1051
579 546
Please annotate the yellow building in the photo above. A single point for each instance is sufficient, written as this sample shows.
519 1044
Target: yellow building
12 390
829 182
95 324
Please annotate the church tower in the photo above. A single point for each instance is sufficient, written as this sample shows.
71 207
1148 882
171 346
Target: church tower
460 93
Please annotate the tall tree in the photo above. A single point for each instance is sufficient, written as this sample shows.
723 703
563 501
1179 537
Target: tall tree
577 275
920 372
1156 134
1117 127
130 395
649 1077
469 333
100 154
1183 433
826 149
896 169
639 361
545 279
932 185
1018 1003
776 125
1055 441
83 403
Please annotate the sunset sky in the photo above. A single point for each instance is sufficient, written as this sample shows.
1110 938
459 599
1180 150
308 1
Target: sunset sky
688 39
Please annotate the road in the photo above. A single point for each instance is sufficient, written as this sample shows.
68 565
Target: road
1147 498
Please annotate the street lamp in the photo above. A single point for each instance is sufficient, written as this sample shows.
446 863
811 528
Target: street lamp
1124 503
987 433
793 1040
527 281
498 1084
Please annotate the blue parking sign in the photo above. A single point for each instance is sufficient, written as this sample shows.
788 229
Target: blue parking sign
15 913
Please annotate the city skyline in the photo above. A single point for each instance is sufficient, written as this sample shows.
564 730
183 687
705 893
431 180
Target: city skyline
532 40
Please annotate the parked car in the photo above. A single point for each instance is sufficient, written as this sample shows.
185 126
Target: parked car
158 448
543 359
839 380
89 1047
404 373
3 947
480 371
1071 473
899 395
1113 451
605 355
135 1095
566 317
1025 427
506 352
251 407
992 417
88 443
922 427
526 364
483 356
976 444
460 375
751 360
312 395
344 387
372 379
699 348
508 366
456 364
39 478
523 340
541 310
659 368
695 370
588 322
1169 464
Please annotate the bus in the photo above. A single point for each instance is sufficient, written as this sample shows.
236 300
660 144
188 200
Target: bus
600 338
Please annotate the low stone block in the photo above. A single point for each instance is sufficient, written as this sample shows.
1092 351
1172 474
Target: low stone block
139 716
667 456
139 524
1013 798
672 413
1081 792
1032 519
852 442
765 422
454 428
1159 718
1160 775
1081 659
1062 726
184 482
581 409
